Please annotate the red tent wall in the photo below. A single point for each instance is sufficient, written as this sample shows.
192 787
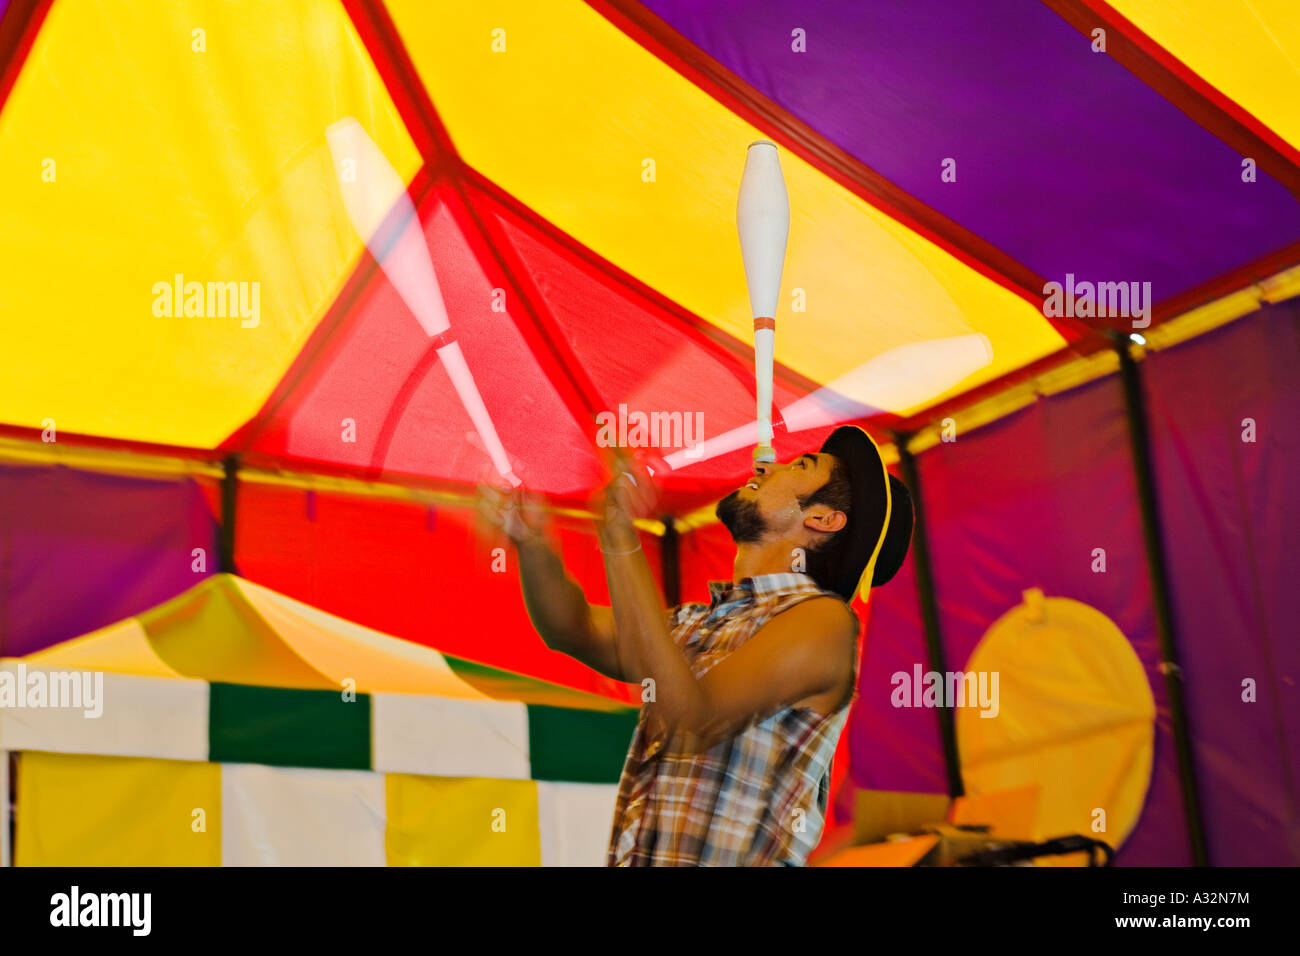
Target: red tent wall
422 574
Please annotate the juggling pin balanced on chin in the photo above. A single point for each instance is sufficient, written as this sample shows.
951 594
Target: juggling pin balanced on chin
763 222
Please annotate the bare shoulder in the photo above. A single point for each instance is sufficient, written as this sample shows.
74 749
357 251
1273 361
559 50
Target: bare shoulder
825 628
827 618
820 632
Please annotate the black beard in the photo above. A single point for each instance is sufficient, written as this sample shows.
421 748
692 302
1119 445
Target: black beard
741 518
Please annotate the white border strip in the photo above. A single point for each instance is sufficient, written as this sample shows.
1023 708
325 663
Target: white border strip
447 737
159 717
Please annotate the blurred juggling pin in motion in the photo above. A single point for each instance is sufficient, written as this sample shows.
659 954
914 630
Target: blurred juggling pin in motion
900 378
763 222
384 217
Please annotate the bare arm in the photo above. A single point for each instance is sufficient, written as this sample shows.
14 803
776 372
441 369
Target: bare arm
561 614
556 605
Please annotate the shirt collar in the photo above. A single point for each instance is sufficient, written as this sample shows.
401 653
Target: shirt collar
761 585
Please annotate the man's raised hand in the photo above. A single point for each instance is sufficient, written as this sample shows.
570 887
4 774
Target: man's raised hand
630 494
510 512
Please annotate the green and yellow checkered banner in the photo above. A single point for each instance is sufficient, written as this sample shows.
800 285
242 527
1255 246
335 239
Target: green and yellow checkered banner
170 770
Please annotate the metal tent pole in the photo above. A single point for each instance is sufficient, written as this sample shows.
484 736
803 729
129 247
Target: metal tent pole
930 611
1139 437
229 492
670 562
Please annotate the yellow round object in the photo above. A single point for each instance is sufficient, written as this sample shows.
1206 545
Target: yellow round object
1075 718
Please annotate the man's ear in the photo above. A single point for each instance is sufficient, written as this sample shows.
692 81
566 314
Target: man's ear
825 520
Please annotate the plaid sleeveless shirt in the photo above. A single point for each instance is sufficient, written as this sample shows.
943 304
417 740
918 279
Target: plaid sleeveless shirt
756 799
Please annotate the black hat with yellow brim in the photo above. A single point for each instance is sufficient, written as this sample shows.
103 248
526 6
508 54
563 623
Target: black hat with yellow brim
879 528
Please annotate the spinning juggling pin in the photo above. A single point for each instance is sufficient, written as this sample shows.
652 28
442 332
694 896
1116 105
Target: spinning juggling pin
763 221
384 217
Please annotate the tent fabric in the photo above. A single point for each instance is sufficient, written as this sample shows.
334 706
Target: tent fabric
243 679
574 835
159 717
126 543
1229 520
892 748
408 417
611 129
427 575
995 532
668 364
534 244
55 825
450 822
442 737
1224 517
577 209
335 729
278 816
177 813
235 723
956 80
217 632
227 629
1250 59
171 161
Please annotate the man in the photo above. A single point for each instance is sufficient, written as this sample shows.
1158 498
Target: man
745 697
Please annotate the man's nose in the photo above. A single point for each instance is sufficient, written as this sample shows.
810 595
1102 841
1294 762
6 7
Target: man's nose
764 468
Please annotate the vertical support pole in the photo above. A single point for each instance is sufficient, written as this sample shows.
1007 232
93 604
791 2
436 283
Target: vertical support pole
930 610
670 562
1139 438
5 578
6 849
229 490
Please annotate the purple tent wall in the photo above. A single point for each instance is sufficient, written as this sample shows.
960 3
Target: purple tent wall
997 530
1020 504
1231 522
1228 511
80 550
893 749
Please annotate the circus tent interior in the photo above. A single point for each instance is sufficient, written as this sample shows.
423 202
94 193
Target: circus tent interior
208 380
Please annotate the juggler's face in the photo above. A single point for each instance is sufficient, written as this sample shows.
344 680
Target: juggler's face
767 507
